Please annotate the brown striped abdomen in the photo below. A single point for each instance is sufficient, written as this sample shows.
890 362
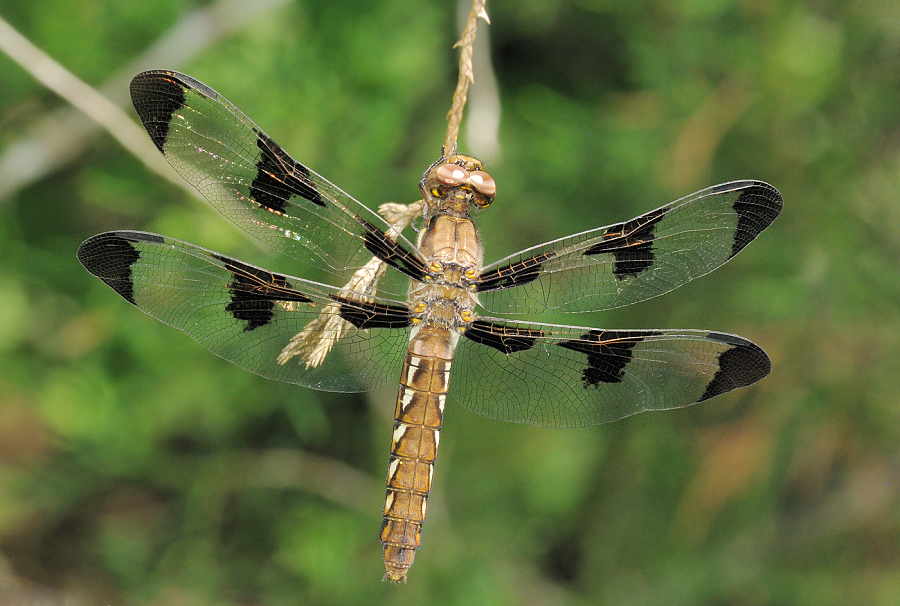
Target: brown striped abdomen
414 445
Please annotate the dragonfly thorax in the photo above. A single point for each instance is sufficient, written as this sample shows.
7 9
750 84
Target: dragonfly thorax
443 305
453 252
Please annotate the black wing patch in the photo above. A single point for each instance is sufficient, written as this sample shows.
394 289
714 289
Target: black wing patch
255 291
372 315
608 353
503 338
744 364
279 177
631 244
514 274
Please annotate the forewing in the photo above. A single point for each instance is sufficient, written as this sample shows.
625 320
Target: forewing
248 315
568 376
636 260
250 179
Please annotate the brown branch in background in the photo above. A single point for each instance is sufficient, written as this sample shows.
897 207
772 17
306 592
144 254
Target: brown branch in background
89 101
466 75
689 160
62 135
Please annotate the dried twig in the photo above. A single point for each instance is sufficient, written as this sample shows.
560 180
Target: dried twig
90 102
466 75
62 135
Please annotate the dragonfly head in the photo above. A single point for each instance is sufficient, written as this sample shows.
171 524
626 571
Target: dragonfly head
457 182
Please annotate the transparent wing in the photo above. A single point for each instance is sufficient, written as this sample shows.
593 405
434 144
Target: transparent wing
251 180
636 260
569 376
252 317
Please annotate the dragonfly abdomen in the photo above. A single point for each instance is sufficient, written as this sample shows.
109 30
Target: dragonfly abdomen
414 444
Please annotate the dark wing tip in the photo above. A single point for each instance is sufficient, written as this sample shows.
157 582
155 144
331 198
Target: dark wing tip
156 96
742 364
757 206
109 256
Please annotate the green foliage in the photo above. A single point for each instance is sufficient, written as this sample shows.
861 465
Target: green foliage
137 468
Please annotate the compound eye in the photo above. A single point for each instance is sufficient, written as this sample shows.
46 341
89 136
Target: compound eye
483 182
451 174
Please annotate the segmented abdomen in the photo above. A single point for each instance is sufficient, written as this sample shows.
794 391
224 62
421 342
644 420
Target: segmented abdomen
414 445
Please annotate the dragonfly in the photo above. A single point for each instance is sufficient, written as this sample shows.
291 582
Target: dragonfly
425 310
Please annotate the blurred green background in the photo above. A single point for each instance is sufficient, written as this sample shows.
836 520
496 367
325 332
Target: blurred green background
137 468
